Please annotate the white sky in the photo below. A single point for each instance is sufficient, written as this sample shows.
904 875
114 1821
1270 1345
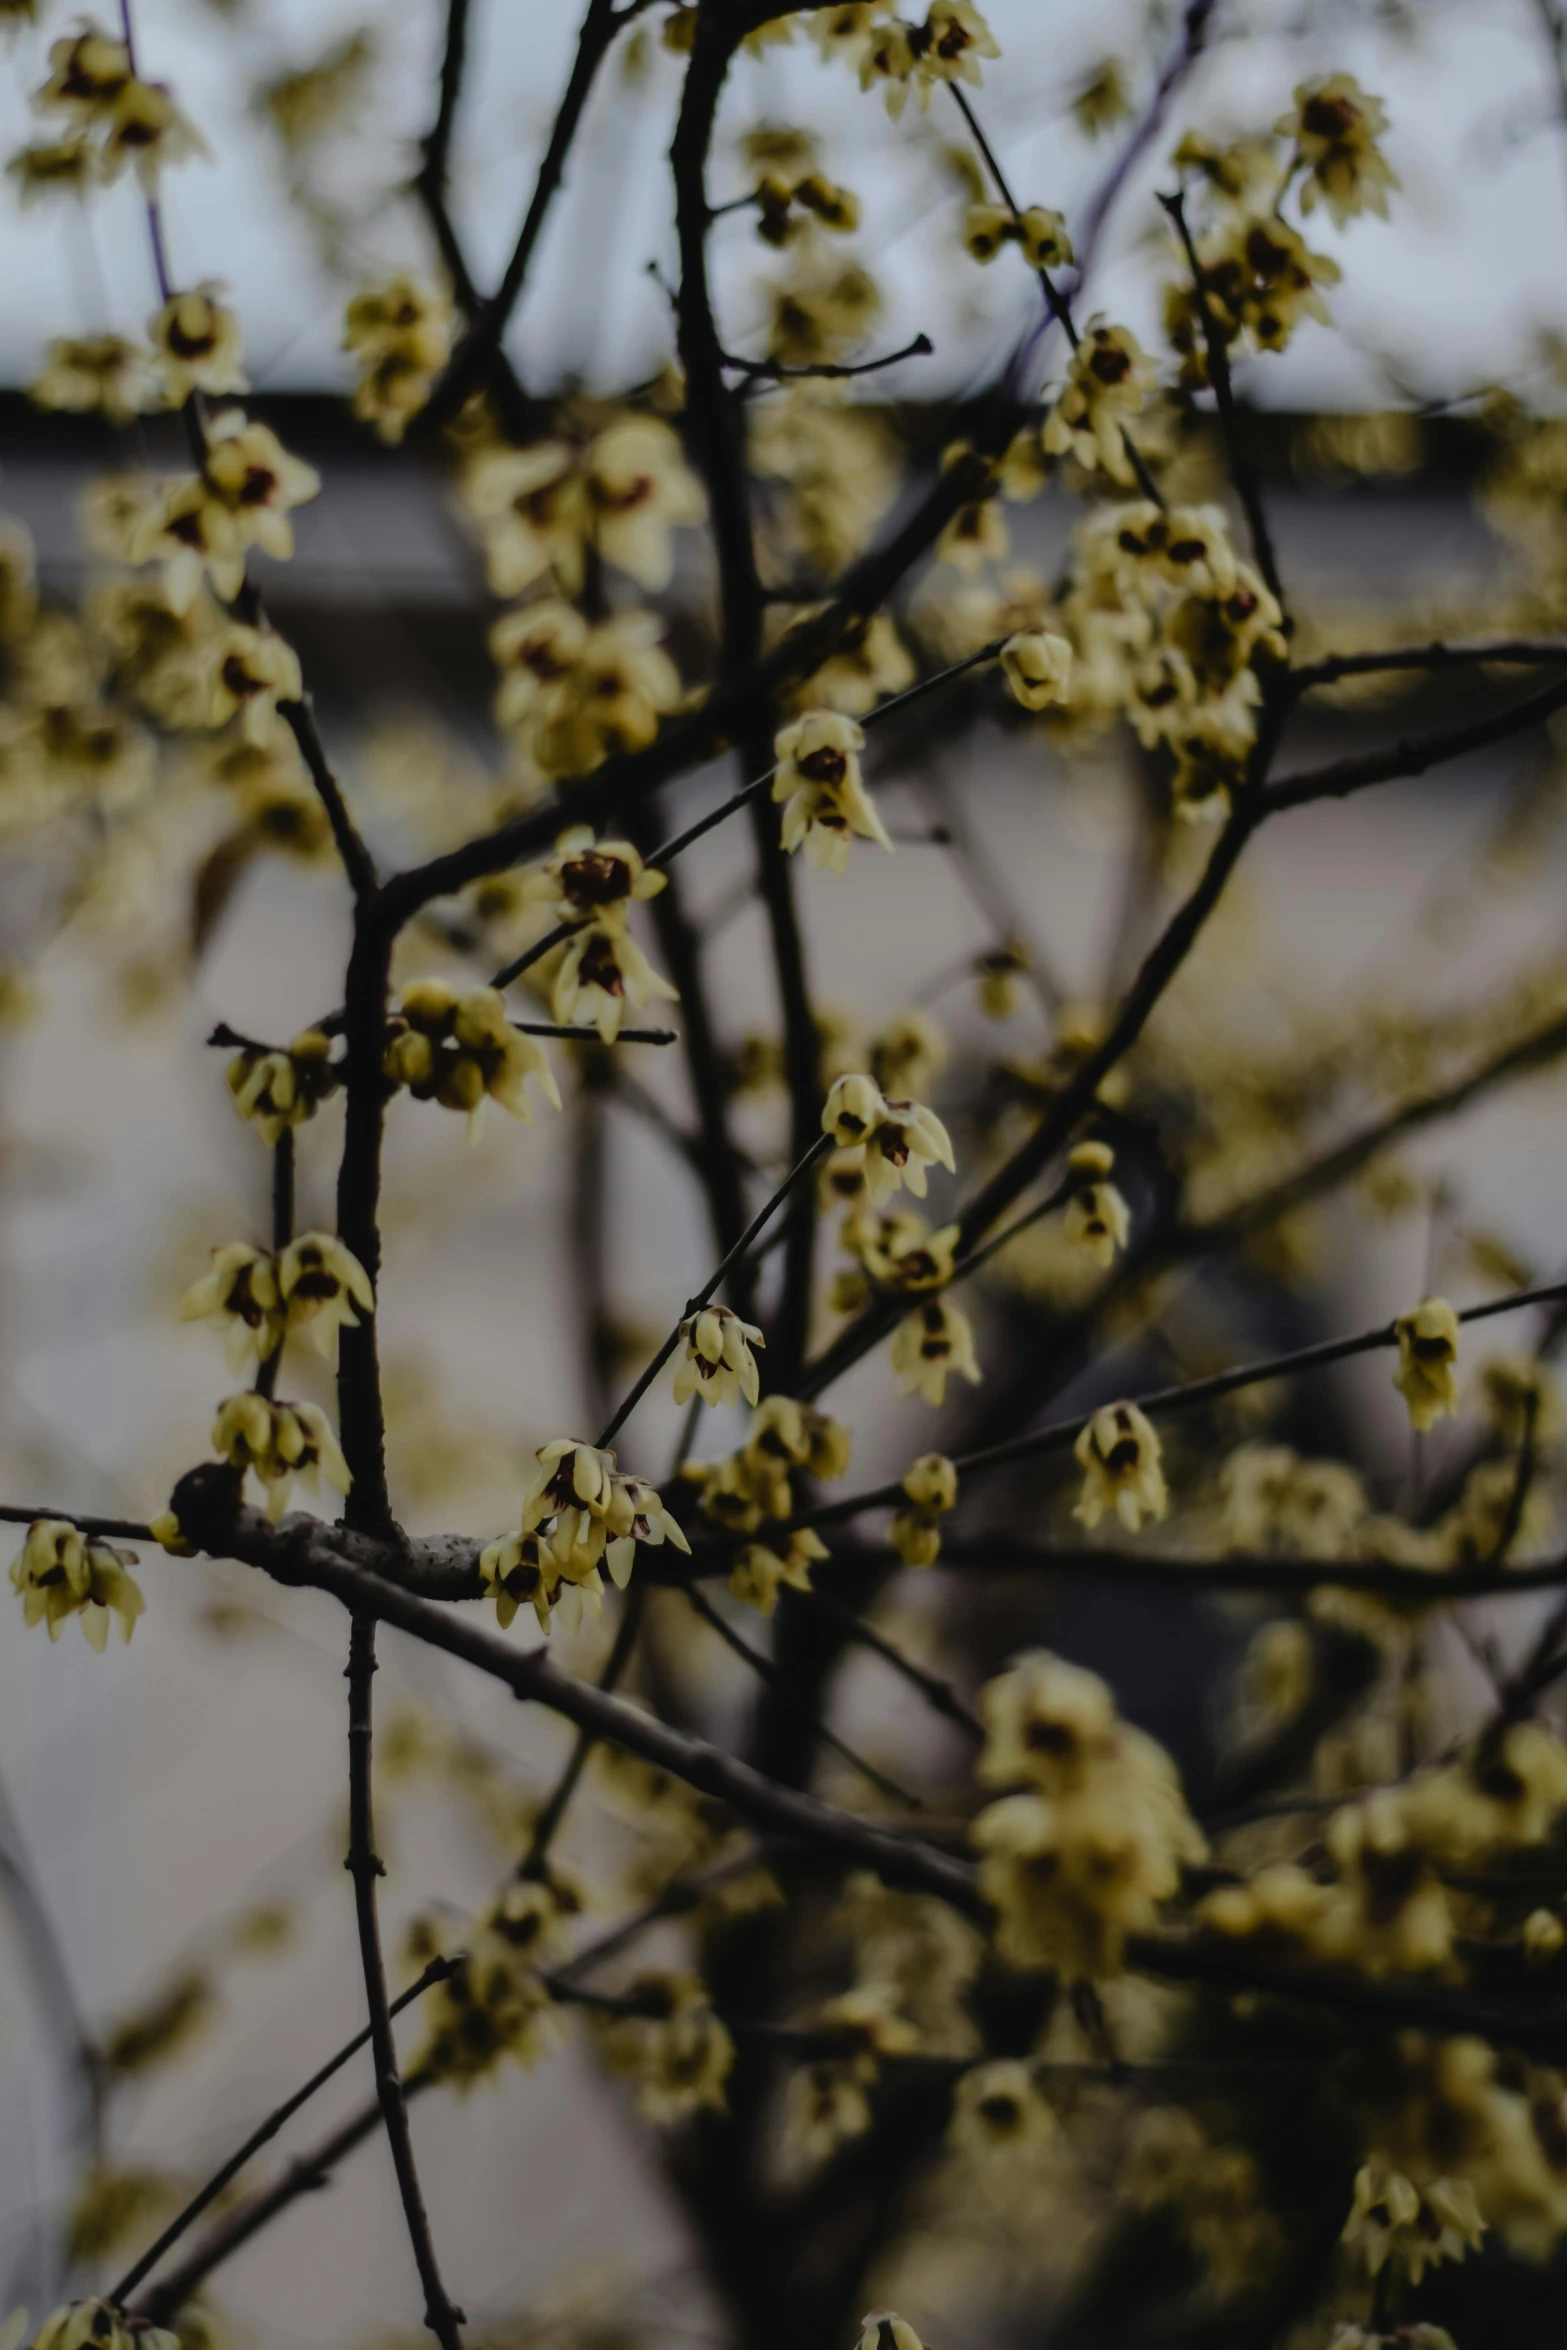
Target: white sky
1454 289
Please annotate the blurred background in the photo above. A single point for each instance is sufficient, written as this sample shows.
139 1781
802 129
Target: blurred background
171 1818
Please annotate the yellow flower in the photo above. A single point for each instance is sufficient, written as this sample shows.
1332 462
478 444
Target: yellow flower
1427 1359
592 1512
1108 380
279 1442
194 533
1543 1936
787 207
60 1572
242 1291
49 166
1419 2227
521 1570
948 46
253 670
160 655
401 331
843 30
461 1050
320 1282
1038 668
594 880
98 2325
602 971
1070 1880
931 1485
87 72
678 2054
715 1361
1099 1222
114 509
997 2110
1335 126
909 1054
932 1345
854 1108
825 2106
144 127
1104 99
1119 1454
250 470
531 511
1041 233
275 1091
1212 750
791 1435
611 700
759 1572
905 1140
639 489
401 313
98 374
197 341
976 535
1048 1724
493 2004
899 1250
818 781
869 662
1259 281
535 647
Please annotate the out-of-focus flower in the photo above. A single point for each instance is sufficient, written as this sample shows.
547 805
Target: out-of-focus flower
52 167
1122 1468
1038 668
932 1345
678 2054
760 1571
197 341
253 670
401 332
1419 2227
1427 1361
931 1487
1041 234
96 375
1335 127
1104 99
1109 378
997 2111
144 128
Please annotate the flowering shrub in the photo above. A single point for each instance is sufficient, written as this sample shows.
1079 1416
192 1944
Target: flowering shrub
1272 2028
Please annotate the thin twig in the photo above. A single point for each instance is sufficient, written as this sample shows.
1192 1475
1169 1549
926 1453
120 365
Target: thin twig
119 2293
443 2319
547 1825
1241 473
774 370
1061 1434
1059 307
765 1670
711 1287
